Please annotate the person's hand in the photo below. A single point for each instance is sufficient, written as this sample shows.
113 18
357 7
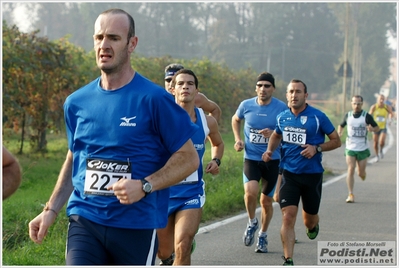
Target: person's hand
267 156
212 168
239 146
38 227
266 132
370 128
128 191
309 151
276 196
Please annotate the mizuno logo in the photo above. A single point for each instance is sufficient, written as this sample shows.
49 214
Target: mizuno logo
126 122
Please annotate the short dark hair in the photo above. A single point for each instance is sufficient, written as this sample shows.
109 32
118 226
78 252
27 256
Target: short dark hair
132 31
300 81
184 71
358 96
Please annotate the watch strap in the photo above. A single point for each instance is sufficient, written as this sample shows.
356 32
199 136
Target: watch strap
217 160
319 149
144 184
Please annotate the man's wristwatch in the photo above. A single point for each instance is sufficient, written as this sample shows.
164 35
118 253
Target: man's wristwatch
318 149
147 187
217 160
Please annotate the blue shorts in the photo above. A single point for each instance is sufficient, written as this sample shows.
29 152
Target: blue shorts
89 243
382 130
257 170
178 204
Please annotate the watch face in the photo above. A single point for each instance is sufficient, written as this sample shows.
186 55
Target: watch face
319 149
147 187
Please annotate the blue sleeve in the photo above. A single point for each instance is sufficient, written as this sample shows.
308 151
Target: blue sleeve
170 116
240 111
69 124
277 128
327 126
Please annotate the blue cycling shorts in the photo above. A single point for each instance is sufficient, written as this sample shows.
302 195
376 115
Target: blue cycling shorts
89 243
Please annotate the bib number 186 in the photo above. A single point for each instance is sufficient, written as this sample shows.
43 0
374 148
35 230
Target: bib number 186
294 137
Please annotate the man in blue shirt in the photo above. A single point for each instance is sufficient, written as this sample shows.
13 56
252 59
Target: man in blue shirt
259 114
301 130
187 198
123 155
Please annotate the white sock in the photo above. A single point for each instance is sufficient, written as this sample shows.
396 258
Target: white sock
262 234
253 221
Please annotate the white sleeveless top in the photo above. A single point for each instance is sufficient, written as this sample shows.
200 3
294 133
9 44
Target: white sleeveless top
357 132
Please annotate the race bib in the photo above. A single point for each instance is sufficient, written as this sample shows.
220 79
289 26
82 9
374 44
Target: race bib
100 174
359 132
193 178
256 137
294 135
380 118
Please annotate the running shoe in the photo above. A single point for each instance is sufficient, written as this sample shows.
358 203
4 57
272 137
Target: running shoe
287 261
363 177
382 154
261 246
350 199
312 234
193 246
249 233
168 261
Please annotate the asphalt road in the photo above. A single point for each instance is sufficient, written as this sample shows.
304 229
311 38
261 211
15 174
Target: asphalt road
373 217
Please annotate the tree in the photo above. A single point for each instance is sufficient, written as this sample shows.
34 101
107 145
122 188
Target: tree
290 40
38 75
373 42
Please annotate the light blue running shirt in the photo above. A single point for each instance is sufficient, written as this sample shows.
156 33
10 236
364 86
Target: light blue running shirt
258 117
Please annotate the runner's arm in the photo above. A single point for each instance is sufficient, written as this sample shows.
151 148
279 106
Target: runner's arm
274 142
38 227
217 144
333 143
11 173
236 127
201 101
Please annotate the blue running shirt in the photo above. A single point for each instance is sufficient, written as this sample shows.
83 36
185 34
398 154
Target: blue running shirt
138 125
258 117
194 184
309 127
